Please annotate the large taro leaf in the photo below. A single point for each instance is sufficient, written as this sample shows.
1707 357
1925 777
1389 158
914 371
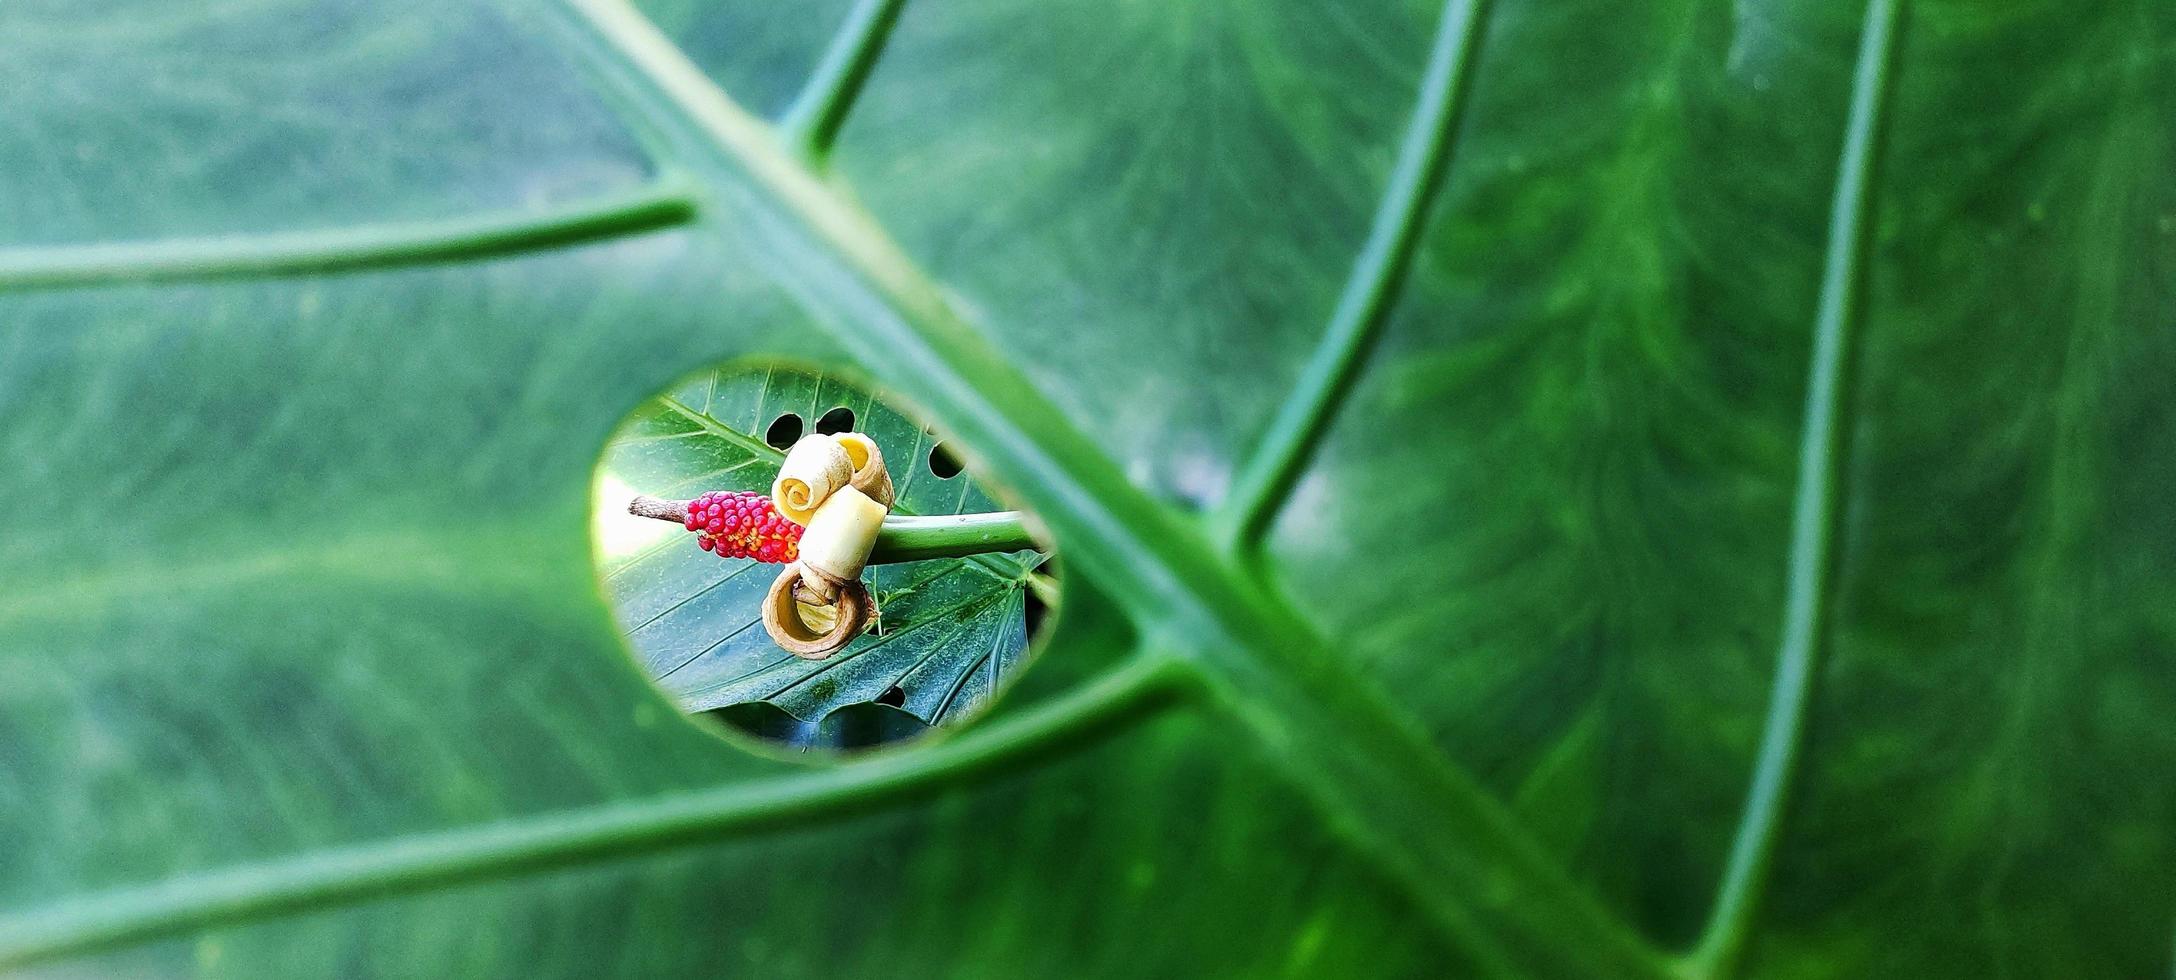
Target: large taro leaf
949 630
1742 530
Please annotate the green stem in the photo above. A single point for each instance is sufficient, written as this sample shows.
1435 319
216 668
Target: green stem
906 537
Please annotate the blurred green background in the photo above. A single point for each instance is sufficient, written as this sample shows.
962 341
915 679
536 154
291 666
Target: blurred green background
1727 335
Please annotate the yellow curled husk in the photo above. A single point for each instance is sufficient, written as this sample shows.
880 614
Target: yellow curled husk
870 476
813 632
841 534
815 468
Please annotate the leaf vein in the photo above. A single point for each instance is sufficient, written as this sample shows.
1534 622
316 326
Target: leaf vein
1813 516
1365 301
666 202
422 861
812 122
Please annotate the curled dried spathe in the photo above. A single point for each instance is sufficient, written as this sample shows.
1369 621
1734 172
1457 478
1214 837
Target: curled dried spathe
870 476
820 465
838 489
809 625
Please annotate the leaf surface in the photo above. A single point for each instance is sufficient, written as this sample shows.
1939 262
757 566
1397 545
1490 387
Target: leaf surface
309 673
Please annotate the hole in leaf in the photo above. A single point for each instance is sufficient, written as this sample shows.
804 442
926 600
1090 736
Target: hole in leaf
1042 581
950 623
785 430
942 464
840 419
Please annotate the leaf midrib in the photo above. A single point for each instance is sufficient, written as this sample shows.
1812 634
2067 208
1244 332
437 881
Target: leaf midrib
1248 645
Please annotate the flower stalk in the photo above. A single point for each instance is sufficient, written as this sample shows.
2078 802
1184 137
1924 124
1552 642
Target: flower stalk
904 537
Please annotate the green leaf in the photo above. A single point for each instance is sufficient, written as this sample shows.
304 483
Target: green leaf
950 629
1563 488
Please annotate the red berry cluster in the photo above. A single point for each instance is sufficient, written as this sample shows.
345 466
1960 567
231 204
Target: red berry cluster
743 524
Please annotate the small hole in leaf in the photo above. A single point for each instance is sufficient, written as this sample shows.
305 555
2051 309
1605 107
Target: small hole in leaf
785 430
894 696
840 419
1036 609
942 463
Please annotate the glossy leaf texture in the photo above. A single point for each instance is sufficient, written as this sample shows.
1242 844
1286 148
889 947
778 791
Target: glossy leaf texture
950 629
1749 401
